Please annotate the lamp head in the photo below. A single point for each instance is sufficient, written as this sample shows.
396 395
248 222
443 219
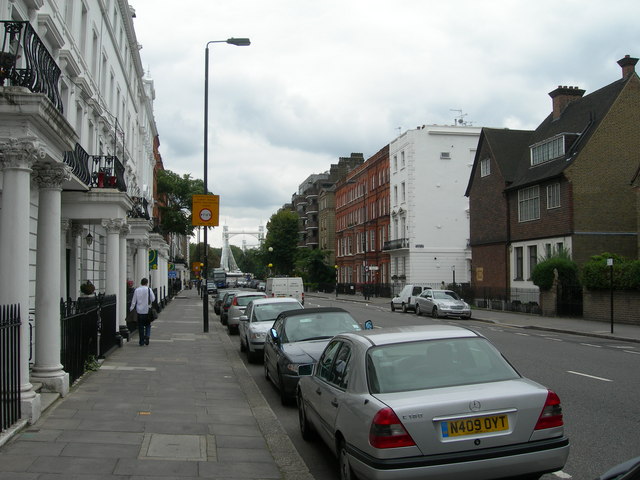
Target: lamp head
239 42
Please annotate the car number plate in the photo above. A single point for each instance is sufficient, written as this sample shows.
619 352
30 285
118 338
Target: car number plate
472 426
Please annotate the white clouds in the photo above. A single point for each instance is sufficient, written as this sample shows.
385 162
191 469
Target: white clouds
324 79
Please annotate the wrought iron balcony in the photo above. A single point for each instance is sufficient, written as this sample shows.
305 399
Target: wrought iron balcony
140 208
396 244
96 171
26 62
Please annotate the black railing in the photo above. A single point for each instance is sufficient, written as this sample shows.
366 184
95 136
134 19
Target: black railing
26 62
396 244
140 208
9 365
96 171
88 330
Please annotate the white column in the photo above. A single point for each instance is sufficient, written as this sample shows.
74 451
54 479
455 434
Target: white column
113 227
122 282
48 370
16 160
142 261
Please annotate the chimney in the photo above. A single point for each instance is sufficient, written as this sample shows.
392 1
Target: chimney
563 96
628 65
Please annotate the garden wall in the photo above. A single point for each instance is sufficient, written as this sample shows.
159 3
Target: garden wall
626 306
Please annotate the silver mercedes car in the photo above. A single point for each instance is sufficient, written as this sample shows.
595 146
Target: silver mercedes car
442 303
434 401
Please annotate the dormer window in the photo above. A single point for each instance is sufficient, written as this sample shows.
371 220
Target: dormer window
548 150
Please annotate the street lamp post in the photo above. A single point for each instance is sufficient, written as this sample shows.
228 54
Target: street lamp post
239 42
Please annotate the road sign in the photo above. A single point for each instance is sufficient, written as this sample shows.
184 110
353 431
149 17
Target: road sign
205 210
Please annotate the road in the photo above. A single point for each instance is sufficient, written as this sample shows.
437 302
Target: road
596 379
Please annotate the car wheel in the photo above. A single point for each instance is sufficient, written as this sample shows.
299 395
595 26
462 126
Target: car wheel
306 430
393 307
252 357
418 312
284 400
346 473
434 313
404 308
242 347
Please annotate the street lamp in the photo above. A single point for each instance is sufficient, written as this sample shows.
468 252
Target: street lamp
239 42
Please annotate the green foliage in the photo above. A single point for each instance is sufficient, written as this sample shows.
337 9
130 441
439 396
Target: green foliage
597 275
175 209
543 273
282 237
91 364
312 267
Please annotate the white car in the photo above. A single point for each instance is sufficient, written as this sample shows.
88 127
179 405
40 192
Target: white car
406 299
429 402
236 309
256 322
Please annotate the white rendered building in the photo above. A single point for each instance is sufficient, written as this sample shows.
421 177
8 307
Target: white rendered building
429 229
78 152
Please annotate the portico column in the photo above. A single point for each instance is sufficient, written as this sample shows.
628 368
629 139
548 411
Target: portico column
122 283
17 157
142 260
47 369
113 227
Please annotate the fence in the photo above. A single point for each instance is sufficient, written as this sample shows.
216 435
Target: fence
526 300
9 365
88 329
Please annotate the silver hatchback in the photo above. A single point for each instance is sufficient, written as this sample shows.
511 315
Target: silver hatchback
425 402
237 307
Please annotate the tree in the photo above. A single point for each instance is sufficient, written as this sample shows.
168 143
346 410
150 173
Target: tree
313 267
282 236
560 261
176 193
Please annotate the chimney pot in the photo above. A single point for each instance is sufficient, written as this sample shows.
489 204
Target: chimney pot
628 65
563 96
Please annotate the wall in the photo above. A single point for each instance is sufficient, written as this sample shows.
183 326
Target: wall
597 306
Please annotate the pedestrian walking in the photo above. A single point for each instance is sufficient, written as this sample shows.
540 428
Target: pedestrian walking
142 300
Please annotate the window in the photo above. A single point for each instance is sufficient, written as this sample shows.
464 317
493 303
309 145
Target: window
324 364
401 159
395 195
485 167
553 195
533 259
403 192
529 204
547 150
339 375
547 250
395 163
518 262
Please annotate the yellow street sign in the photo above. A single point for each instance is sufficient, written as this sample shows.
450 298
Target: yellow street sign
205 211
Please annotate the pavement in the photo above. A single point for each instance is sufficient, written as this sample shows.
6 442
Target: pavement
185 406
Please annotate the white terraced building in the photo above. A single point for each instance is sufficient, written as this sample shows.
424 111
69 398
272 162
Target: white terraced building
78 152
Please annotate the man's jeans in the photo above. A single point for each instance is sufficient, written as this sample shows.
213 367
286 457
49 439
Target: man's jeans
144 328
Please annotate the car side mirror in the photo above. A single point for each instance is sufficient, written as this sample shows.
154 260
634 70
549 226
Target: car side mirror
306 369
274 335
243 318
368 325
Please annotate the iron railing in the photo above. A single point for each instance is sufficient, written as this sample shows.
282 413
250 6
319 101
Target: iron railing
9 365
88 330
96 171
396 244
26 62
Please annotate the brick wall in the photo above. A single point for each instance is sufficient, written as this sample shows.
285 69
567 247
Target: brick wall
626 306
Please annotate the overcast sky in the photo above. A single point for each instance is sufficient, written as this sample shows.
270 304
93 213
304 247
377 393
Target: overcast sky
325 78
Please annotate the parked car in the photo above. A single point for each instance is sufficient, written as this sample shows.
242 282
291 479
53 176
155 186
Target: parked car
258 318
225 304
297 339
629 470
262 286
218 300
442 303
237 306
211 287
406 299
429 402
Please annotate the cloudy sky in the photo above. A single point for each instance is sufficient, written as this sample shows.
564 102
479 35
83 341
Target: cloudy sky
325 78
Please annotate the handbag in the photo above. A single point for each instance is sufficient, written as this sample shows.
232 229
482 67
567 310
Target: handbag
153 313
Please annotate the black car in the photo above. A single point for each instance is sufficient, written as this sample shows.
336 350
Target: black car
296 341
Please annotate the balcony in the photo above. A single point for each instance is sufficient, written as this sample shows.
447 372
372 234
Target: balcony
25 62
96 171
396 244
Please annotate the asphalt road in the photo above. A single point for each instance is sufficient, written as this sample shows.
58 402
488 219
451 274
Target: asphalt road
597 381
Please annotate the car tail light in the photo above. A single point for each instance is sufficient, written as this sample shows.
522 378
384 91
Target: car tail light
388 432
234 301
551 415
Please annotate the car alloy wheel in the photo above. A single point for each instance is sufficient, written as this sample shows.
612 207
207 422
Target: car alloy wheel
306 430
434 313
343 463
404 308
418 312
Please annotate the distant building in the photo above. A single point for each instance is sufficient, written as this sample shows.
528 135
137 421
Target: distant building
429 231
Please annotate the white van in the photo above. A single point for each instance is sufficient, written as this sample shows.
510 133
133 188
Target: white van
285 287
406 300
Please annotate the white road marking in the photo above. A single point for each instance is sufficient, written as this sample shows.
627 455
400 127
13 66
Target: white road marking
523 334
629 351
561 474
590 376
554 339
591 345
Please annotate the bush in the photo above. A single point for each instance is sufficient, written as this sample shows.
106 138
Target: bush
596 274
543 275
